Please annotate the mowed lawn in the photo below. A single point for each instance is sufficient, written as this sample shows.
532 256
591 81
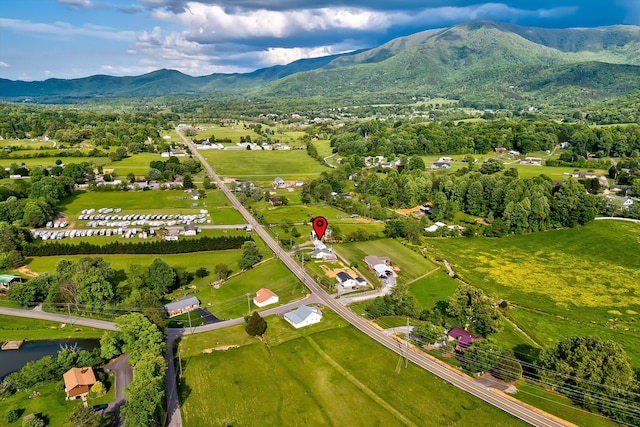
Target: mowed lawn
230 299
138 164
437 286
17 328
254 163
51 161
325 374
412 264
573 281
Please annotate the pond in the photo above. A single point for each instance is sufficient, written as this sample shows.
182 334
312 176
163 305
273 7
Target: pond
14 360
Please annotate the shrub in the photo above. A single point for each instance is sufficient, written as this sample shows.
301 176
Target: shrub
13 415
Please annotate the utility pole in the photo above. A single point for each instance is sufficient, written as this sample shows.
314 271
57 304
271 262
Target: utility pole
179 362
406 347
248 304
69 311
189 314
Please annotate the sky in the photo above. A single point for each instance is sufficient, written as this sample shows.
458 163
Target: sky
41 39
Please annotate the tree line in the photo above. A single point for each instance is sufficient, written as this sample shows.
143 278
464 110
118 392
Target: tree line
201 244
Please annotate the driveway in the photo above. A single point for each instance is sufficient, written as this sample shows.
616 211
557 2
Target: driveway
208 316
123 375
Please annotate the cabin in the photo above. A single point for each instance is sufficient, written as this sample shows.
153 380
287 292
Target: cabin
78 382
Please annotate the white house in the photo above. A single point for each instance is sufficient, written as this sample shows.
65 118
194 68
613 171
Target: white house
190 230
278 182
320 250
346 280
303 316
265 297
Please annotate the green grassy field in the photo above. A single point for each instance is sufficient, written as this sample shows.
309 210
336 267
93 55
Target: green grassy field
315 375
138 164
50 404
17 328
51 161
565 281
190 261
230 300
412 264
249 163
303 213
148 202
437 286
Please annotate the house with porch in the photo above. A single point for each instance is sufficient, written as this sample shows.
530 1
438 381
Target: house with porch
78 382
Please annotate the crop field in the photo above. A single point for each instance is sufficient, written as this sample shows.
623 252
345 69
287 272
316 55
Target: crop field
230 300
412 264
288 164
582 278
232 132
321 378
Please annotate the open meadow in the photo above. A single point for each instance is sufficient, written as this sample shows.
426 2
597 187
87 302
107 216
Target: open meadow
574 281
412 264
264 165
315 375
17 328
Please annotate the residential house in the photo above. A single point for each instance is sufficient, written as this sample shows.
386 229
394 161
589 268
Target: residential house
603 181
299 183
463 338
361 281
583 175
320 250
6 280
278 183
565 144
78 382
275 201
264 297
445 159
346 280
183 305
500 150
440 165
514 153
303 316
534 161
190 230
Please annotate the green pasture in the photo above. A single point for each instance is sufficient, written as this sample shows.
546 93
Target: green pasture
51 161
190 261
17 328
412 264
579 279
136 202
437 286
303 213
138 164
230 300
233 132
252 163
315 375
26 144
323 146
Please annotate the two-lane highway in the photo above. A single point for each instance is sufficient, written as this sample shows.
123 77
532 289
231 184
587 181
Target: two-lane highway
460 381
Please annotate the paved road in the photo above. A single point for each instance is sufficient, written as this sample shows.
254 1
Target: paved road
420 359
123 376
617 218
70 320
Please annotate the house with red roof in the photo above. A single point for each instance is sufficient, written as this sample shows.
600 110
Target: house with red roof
265 297
78 382
463 338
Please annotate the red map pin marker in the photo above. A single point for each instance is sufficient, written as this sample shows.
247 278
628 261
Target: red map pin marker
319 226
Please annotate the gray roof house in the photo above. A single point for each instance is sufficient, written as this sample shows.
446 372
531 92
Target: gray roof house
303 316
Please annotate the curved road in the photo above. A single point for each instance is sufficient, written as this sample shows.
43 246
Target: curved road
514 408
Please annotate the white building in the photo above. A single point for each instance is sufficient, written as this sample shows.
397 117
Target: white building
303 316
265 297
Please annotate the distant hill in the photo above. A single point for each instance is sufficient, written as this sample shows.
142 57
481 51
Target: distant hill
476 61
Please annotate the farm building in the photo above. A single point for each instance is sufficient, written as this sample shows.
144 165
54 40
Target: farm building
6 280
275 201
265 297
303 316
190 230
380 265
440 165
278 182
183 305
78 382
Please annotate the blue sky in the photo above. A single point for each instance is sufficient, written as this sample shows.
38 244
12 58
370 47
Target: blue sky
40 39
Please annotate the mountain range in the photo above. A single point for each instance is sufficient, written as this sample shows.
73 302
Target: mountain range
479 61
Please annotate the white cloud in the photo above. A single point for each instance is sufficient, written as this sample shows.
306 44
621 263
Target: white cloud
66 30
4 64
84 4
281 55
